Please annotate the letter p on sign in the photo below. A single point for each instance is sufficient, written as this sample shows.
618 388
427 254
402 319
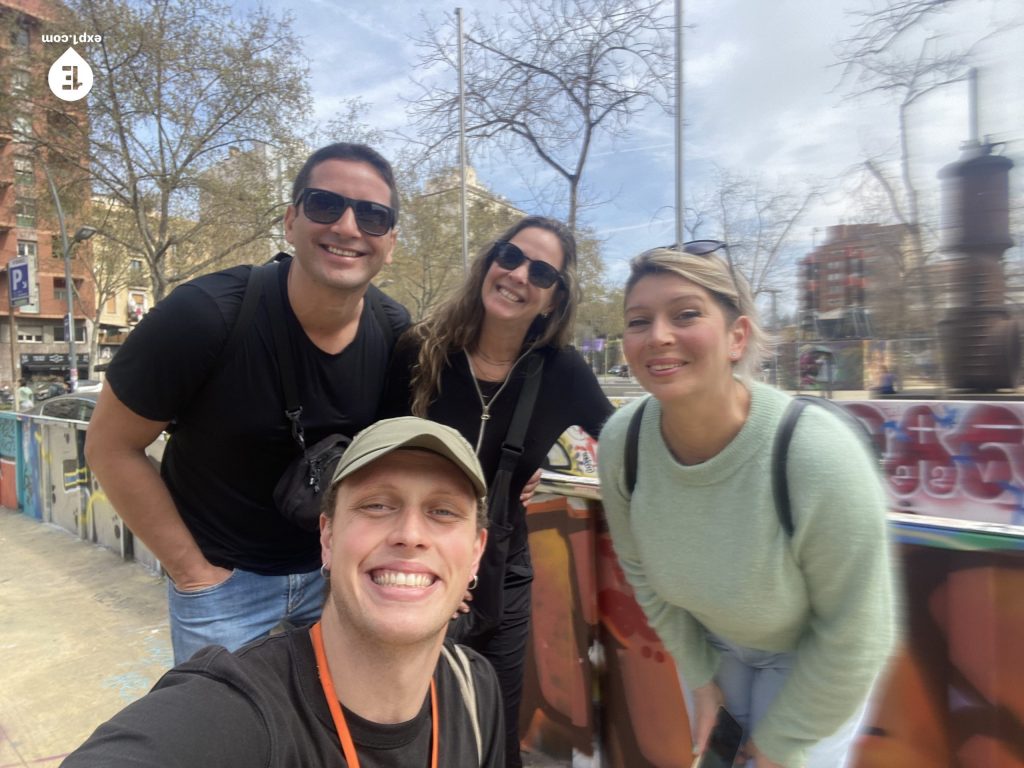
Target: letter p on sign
18 274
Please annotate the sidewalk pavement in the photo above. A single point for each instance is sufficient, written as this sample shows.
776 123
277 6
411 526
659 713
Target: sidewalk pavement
82 634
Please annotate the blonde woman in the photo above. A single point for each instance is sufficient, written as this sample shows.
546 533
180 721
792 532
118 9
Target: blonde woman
787 631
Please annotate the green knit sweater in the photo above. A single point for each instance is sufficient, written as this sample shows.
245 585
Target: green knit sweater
702 547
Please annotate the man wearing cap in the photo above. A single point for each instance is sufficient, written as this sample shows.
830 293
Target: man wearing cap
373 683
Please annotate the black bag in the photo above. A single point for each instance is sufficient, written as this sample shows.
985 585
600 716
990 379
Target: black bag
488 604
297 494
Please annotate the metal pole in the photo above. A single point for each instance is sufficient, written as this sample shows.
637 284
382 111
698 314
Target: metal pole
462 150
972 104
680 209
68 285
774 328
15 377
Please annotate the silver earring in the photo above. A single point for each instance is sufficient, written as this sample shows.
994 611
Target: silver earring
325 572
473 582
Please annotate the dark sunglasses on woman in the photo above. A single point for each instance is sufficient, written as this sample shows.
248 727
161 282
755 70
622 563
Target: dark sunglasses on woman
325 207
509 256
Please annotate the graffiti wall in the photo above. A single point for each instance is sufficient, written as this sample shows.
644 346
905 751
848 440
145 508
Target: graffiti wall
9 479
33 482
955 459
600 688
962 460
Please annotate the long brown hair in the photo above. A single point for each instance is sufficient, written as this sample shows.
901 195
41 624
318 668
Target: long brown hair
455 324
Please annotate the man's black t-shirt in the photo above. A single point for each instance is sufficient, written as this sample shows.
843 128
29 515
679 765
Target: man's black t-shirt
231 441
264 706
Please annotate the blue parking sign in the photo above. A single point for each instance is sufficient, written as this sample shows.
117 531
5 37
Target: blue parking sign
20 288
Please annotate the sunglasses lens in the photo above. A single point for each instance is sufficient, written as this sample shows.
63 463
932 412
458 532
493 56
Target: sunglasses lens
372 218
323 207
509 256
541 274
702 247
326 208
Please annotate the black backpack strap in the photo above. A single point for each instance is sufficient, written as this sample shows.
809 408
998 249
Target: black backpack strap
512 447
283 349
250 300
633 446
783 436
780 461
375 297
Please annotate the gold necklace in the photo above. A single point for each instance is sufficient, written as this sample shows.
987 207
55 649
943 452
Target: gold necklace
486 403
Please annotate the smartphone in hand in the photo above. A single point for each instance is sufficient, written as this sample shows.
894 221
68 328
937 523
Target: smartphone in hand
723 744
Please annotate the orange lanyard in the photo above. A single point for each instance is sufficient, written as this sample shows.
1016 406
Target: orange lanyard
348 748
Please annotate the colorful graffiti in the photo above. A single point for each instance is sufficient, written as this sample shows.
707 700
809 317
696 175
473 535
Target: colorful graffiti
954 696
32 469
955 459
600 688
961 460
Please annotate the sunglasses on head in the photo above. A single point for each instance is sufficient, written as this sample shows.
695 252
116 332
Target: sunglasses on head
325 207
705 248
509 256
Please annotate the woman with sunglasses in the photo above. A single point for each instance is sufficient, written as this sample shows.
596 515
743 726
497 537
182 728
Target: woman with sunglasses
788 632
465 366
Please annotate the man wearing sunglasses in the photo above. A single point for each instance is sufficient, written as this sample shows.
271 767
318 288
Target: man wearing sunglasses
198 363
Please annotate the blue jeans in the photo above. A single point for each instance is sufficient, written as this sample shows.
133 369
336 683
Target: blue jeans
751 679
243 608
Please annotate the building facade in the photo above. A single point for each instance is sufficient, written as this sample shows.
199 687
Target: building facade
34 335
850 286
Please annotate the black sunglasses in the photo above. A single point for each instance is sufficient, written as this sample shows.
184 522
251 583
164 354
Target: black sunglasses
704 248
509 256
325 207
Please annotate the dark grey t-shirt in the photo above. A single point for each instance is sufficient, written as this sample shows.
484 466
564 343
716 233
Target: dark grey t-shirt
264 706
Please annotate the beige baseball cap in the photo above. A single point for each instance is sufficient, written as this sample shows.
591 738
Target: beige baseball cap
390 435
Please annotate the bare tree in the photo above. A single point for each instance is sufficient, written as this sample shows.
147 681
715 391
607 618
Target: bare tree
889 54
178 83
757 218
349 124
878 29
550 75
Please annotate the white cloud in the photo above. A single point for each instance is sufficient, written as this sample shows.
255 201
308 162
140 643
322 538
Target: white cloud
762 95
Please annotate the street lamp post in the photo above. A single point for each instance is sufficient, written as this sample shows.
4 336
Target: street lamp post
83 233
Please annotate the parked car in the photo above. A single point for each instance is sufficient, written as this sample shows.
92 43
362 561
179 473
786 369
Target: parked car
89 385
77 406
46 389
621 371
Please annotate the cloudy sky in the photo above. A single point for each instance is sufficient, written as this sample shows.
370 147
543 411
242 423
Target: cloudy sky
762 97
